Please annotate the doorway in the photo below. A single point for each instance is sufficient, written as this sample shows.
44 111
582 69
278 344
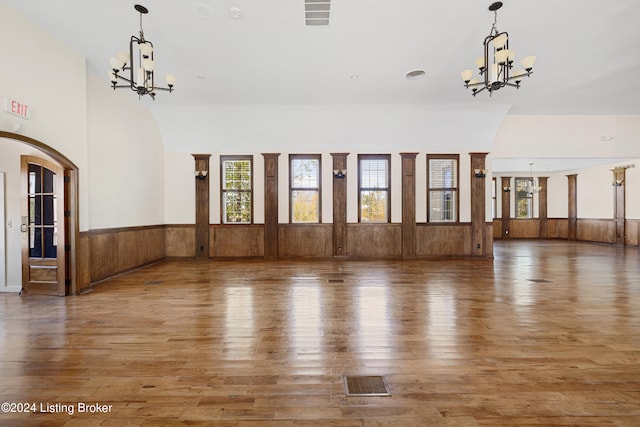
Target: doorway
49 220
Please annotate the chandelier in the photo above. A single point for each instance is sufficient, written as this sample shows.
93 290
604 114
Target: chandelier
531 187
136 68
495 67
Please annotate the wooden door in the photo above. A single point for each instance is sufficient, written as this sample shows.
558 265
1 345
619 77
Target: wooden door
43 242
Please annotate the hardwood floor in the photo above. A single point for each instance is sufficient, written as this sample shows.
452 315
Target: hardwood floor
548 333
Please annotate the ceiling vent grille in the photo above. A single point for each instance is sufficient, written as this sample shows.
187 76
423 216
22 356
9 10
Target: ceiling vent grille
316 12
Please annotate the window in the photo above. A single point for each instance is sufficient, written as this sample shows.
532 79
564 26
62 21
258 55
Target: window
524 199
494 202
304 188
374 188
442 172
236 180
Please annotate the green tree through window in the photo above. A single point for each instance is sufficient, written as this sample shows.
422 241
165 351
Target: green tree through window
304 181
374 187
237 194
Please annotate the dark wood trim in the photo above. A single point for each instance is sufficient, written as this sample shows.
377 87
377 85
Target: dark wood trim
456 157
270 205
478 206
506 205
408 205
202 206
72 235
542 207
340 205
317 157
386 157
572 214
619 205
97 231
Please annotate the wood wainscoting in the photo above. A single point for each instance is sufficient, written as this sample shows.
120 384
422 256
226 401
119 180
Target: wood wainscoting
305 240
105 253
632 236
596 230
374 240
237 240
441 240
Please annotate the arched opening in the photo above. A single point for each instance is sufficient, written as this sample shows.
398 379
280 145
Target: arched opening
71 213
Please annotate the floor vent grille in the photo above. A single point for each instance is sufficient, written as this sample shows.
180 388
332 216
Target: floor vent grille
372 385
316 12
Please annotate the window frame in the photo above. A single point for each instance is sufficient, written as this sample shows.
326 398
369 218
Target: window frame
224 191
520 195
387 189
317 189
455 190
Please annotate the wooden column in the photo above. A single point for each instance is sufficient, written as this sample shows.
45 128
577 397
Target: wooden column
202 204
408 205
339 203
270 204
572 213
543 232
478 204
505 188
619 204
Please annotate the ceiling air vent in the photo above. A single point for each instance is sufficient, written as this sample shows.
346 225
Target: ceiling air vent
316 12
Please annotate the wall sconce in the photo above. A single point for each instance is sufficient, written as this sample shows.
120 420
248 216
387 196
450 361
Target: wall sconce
506 189
617 182
339 173
201 174
480 173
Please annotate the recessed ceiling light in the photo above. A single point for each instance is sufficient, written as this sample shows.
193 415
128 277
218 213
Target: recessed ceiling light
354 76
606 138
202 9
415 74
235 12
200 76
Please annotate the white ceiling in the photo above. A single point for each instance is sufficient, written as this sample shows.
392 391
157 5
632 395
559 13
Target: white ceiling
588 54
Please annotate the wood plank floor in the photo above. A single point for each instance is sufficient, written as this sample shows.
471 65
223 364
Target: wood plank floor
545 334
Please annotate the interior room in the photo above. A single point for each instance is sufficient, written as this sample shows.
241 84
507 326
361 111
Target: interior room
230 212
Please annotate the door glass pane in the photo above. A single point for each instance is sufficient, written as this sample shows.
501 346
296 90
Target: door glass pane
48 210
35 245
50 248
49 181
35 172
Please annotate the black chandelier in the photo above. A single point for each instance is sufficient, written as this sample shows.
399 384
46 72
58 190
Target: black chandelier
495 67
136 68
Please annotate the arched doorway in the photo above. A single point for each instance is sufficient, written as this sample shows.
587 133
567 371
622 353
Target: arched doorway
69 218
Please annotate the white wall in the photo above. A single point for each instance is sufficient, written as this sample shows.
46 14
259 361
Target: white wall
3 260
46 75
126 159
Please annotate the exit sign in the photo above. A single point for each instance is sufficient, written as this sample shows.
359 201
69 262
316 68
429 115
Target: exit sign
16 107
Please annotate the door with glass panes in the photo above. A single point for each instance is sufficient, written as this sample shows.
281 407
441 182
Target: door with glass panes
43 234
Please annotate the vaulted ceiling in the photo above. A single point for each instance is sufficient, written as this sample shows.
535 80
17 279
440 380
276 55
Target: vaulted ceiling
230 54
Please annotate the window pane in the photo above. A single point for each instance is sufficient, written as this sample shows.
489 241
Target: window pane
524 205
50 244
373 206
442 205
443 173
237 207
35 242
374 173
237 175
305 206
305 173
49 181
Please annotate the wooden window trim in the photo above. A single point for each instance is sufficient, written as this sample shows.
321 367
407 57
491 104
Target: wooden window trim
317 157
223 191
386 157
455 157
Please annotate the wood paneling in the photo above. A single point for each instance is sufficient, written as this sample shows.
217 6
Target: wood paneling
340 205
572 199
113 251
84 262
506 205
619 205
557 228
596 230
201 243
543 225
524 228
408 205
237 240
497 228
633 232
478 201
180 240
443 240
305 240
271 204
374 240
